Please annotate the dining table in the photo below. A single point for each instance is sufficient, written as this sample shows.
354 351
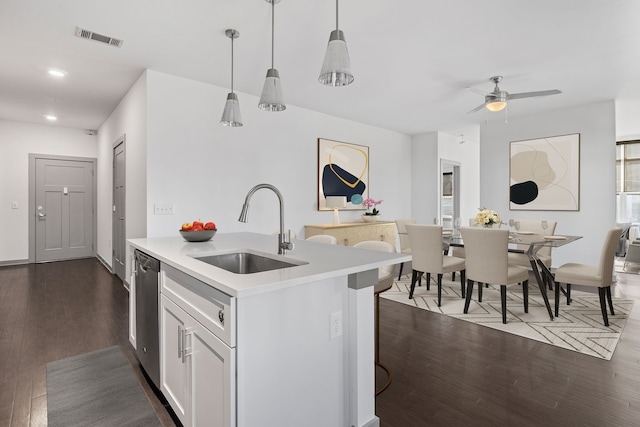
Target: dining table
527 243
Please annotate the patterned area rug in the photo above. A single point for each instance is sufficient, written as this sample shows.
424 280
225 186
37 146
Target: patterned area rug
579 326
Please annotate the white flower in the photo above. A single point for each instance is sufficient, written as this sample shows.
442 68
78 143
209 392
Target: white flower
487 217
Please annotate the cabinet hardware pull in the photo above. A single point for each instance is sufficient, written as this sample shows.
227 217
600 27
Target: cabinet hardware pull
185 352
221 316
179 342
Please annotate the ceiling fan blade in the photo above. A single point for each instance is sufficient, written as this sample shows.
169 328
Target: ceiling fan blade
534 94
478 108
474 90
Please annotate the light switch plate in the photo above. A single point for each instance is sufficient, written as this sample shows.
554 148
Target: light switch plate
335 327
14 205
163 209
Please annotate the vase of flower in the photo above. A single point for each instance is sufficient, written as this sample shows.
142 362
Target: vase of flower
488 218
371 216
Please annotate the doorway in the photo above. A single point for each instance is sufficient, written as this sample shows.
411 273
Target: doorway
62 207
449 194
118 223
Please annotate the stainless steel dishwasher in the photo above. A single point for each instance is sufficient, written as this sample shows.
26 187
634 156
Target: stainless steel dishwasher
147 271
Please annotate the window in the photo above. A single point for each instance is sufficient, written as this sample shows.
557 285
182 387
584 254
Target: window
628 181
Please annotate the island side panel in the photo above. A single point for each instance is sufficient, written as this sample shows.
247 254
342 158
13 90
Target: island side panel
290 371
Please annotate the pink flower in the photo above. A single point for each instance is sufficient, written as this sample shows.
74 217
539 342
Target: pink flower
371 203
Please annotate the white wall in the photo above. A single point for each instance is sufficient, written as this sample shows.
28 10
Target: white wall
17 140
425 170
206 169
627 123
596 125
129 119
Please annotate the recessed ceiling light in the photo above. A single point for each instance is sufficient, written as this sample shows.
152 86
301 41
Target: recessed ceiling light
50 117
57 73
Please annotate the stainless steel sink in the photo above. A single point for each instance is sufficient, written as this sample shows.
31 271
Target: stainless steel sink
247 262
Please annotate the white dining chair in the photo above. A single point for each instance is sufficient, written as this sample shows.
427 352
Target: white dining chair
600 276
544 253
405 244
486 262
323 238
428 257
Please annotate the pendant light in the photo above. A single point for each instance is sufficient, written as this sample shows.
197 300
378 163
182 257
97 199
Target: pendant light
231 114
271 98
336 68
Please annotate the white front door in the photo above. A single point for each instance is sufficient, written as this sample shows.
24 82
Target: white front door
64 208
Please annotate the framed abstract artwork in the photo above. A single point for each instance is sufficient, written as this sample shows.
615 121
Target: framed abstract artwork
544 174
343 170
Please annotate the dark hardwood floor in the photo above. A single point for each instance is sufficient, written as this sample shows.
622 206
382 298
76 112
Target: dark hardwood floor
446 372
53 311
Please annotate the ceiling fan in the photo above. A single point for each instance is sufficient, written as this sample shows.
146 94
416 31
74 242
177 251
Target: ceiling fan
497 100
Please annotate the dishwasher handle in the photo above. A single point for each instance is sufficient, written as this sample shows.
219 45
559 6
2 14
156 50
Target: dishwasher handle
145 262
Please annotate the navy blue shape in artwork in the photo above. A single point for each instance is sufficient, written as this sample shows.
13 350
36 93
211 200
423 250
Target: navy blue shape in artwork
523 192
333 186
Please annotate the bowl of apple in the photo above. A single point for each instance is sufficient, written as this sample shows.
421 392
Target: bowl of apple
198 231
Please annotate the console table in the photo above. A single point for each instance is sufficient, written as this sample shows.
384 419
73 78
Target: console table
350 233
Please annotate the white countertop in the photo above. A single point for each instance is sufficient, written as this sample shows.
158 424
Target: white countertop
324 261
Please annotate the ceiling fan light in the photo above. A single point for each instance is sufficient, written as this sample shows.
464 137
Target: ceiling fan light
496 105
271 98
336 68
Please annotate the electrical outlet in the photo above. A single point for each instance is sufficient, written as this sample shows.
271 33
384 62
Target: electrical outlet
335 325
163 209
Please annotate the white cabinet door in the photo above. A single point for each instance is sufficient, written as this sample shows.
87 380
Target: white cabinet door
212 365
173 369
198 370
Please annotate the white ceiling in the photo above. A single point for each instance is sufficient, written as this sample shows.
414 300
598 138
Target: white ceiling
412 59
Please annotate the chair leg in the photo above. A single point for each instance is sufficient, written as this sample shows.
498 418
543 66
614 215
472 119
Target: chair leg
479 292
467 300
557 295
428 280
503 302
603 305
414 278
568 294
463 274
608 288
439 289
400 274
453 276
525 295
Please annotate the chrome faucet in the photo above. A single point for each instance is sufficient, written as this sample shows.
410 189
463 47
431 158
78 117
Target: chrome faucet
283 244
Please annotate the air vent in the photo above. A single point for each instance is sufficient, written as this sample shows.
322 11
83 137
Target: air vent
90 35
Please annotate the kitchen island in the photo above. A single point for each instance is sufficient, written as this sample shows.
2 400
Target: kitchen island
288 347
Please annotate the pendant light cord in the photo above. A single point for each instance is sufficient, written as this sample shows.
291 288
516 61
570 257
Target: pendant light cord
337 28
273 6
231 63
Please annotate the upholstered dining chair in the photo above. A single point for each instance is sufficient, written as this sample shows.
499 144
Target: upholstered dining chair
544 253
323 238
428 257
486 262
587 275
385 281
405 244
